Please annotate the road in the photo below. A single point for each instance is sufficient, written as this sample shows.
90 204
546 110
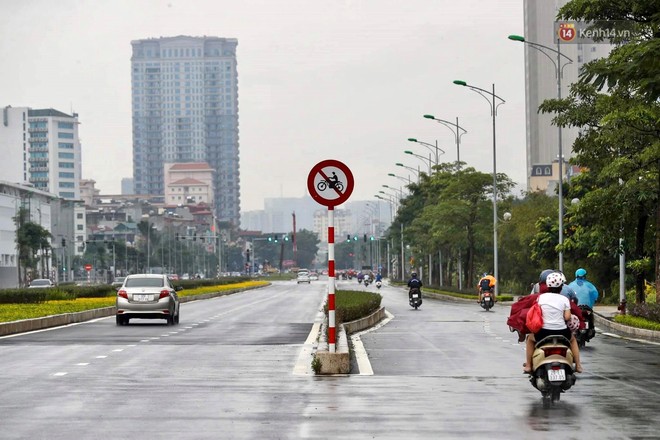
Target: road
237 367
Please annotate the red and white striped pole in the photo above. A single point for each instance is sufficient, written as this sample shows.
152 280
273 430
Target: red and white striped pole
331 280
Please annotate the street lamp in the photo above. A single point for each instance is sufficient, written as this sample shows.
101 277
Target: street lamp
409 168
559 69
399 177
493 110
148 217
420 157
431 147
457 133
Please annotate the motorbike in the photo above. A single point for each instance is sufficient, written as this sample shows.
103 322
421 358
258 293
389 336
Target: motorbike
415 297
367 281
585 334
379 284
552 368
487 301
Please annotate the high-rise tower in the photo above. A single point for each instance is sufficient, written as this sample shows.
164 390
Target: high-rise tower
185 109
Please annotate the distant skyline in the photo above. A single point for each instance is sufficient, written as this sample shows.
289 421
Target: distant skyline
347 80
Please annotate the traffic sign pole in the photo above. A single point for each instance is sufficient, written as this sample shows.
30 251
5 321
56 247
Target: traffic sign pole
331 281
330 183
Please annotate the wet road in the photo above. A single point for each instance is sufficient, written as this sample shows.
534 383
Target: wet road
238 367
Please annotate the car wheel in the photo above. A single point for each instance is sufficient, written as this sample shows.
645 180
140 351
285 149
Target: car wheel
176 318
170 320
119 319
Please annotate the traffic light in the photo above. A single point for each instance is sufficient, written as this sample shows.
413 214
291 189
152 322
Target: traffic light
348 238
371 238
195 237
176 236
355 238
365 238
247 255
270 238
286 238
277 237
64 242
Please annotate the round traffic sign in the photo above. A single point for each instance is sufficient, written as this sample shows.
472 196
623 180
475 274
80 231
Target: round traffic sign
88 267
330 182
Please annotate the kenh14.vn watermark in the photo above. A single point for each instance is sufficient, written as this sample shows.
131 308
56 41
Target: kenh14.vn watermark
605 32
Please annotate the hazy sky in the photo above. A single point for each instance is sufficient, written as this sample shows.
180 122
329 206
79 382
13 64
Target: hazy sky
318 79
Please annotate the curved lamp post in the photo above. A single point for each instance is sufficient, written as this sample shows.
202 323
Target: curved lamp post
559 69
456 129
414 170
422 158
491 99
399 177
431 148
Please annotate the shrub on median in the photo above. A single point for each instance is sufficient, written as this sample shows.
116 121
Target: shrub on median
354 304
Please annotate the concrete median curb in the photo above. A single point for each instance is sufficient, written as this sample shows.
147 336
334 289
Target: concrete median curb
604 323
339 362
28 325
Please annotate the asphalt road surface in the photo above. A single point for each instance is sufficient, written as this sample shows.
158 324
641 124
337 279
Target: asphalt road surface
239 367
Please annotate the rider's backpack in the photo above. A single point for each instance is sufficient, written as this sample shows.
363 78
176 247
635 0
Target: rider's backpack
484 284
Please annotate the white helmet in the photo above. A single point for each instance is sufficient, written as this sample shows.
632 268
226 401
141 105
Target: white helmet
574 324
554 280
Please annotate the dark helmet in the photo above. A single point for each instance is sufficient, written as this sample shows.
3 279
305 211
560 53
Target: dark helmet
580 273
414 274
544 275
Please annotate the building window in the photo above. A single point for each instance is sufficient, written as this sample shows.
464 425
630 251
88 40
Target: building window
79 215
67 185
65 145
79 227
65 125
65 155
66 164
547 171
63 135
67 175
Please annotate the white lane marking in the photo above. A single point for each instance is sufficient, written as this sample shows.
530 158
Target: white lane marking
101 357
360 352
188 328
145 340
118 349
165 335
61 373
82 364
612 335
132 345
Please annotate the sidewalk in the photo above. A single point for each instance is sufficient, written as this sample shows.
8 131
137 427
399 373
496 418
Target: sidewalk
603 316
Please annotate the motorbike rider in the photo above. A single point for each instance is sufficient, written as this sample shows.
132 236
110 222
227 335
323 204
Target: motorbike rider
541 287
379 277
586 292
556 310
487 284
414 283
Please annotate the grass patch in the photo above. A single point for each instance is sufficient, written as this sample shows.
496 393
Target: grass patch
635 321
16 312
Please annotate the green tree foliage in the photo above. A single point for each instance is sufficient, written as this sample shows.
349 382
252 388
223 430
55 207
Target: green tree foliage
33 245
619 141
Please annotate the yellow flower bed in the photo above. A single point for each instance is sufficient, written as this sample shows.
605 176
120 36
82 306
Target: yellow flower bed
16 312
222 288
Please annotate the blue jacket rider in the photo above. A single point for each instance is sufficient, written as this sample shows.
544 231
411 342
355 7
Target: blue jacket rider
586 292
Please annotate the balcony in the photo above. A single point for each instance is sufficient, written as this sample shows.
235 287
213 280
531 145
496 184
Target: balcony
37 129
38 139
38 169
37 159
38 179
37 149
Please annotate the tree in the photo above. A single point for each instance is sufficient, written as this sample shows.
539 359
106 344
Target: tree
619 140
32 243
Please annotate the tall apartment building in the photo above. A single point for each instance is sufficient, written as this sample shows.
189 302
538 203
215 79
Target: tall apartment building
541 84
185 109
42 147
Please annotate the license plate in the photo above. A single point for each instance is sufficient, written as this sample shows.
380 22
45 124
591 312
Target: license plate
415 296
143 298
556 375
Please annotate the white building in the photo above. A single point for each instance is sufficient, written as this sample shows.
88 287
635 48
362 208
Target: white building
541 84
343 221
189 183
14 144
39 205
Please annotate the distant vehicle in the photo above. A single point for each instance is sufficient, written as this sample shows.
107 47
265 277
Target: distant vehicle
173 277
303 277
148 296
185 276
118 282
41 283
313 276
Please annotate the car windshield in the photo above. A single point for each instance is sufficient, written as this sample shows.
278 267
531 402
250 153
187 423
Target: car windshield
40 283
144 282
